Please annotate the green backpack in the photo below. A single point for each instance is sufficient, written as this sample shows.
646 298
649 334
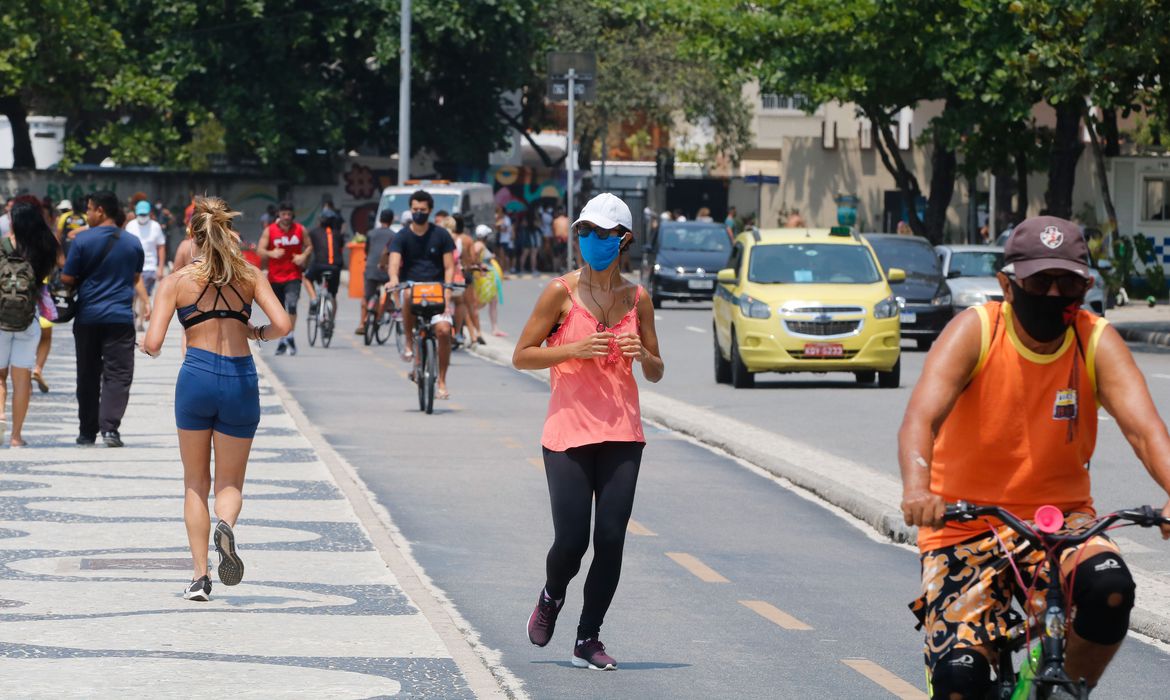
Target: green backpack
18 289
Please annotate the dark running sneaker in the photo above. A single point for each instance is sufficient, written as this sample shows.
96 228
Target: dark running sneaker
543 620
590 653
231 567
86 440
112 438
200 589
281 348
292 346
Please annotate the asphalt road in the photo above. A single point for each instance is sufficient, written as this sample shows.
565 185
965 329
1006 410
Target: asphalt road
733 585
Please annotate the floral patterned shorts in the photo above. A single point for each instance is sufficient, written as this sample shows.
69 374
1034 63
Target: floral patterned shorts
967 588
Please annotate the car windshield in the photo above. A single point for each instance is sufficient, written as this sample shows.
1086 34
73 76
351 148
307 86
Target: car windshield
699 239
400 202
812 263
914 256
977 263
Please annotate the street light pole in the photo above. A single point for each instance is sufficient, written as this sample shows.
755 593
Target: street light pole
404 98
569 166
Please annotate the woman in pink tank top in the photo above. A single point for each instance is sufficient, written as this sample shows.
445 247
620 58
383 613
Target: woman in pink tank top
588 329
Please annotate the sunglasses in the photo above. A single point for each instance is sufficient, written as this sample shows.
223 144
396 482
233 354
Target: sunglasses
601 234
1039 284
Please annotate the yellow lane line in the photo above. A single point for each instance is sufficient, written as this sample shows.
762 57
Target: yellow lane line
536 462
885 679
773 614
636 528
696 567
511 443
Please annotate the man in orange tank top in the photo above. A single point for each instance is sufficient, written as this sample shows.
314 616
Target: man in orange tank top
1005 414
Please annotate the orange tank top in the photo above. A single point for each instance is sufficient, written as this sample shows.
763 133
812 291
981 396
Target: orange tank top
1023 431
594 400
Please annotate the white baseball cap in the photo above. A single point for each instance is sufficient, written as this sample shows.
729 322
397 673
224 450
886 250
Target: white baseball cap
483 231
405 216
607 211
64 205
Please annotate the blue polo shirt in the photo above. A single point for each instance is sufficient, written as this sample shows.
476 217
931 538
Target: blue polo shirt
107 290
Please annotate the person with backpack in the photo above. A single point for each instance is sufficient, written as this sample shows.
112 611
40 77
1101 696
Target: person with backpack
28 254
105 266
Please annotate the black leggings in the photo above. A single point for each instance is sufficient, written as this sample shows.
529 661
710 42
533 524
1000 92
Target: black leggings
609 471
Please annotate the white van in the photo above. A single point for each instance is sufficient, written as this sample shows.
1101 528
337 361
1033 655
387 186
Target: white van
475 201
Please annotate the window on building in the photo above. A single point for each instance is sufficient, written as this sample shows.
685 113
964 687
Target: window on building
1157 203
791 103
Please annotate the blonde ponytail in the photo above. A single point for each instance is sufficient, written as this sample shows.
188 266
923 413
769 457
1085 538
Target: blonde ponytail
221 261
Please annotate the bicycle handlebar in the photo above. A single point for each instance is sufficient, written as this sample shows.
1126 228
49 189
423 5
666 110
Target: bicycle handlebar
1144 516
410 283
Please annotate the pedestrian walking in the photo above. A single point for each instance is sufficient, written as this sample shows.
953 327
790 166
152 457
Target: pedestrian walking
107 264
217 399
588 328
375 275
28 254
154 249
286 248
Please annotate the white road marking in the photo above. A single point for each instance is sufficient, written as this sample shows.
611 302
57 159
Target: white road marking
1161 376
695 329
658 317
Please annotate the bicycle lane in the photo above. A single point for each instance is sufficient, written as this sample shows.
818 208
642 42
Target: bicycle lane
733 585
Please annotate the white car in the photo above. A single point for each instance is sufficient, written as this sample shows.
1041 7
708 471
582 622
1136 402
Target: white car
970 272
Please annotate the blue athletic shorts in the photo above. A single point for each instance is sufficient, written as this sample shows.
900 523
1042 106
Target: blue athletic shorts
220 393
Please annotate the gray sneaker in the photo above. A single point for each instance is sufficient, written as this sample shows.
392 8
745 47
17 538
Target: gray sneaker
231 567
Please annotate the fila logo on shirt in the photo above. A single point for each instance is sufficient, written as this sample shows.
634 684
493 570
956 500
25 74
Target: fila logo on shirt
1065 406
286 240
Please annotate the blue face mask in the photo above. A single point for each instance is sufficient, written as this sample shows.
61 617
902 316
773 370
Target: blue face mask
599 253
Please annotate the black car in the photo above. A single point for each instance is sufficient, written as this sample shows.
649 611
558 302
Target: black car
681 260
924 297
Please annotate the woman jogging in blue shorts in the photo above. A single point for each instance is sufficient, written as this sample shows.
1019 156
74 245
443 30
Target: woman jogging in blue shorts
217 401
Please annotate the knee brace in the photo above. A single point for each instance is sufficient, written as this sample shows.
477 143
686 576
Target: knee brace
963 674
1103 595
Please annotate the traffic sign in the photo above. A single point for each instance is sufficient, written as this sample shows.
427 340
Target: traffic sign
583 64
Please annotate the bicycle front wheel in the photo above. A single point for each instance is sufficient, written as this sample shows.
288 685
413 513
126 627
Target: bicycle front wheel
368 328
399 336
328 313
383 327
430 372
420 354
312 323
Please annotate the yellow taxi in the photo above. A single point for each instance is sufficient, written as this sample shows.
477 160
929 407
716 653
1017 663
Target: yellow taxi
806 300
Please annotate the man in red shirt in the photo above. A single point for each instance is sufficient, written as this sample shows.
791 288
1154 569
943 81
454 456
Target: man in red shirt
286 248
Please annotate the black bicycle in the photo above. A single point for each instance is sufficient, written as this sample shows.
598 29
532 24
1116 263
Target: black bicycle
425 301
1043 668
321 321
382 321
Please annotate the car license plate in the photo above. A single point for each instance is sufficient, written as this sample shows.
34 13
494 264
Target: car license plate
909 317
824 350
701 284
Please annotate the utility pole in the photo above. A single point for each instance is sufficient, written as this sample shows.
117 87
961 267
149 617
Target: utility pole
404 97
572 76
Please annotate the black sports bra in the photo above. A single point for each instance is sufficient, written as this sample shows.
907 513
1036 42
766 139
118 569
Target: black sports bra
191 314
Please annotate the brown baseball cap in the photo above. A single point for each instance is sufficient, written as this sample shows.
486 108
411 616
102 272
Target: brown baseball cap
1046 243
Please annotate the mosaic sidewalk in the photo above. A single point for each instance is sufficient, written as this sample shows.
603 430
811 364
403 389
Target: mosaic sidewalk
94 557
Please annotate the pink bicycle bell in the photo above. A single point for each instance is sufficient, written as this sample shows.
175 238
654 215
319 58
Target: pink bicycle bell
1048 519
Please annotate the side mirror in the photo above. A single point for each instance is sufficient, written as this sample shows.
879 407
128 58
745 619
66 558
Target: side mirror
954 274
895 275
726 276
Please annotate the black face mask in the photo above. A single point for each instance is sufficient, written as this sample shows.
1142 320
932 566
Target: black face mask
420 217
1045 318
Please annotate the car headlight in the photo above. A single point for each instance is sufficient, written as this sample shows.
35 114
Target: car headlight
943 299
970 299
753 308
886 308
657 267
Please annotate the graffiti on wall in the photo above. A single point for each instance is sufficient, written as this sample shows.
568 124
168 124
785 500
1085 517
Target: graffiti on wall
518 188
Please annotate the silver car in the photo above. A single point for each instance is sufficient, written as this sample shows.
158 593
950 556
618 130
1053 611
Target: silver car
970 272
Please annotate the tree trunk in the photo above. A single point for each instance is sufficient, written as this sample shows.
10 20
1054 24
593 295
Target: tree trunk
22 153
1111 134
887 146
943 165
1022 170
1099 161
1062 163
1004 185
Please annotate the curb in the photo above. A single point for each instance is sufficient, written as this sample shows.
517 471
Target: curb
861 491
1134 334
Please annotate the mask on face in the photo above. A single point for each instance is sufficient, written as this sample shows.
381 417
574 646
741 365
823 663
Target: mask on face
599 254
419 217
1044 317
142 219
